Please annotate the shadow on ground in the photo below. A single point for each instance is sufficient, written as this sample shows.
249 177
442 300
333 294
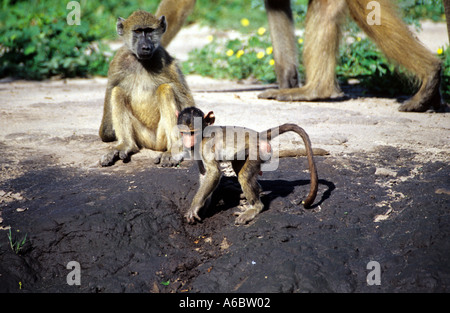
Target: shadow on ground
126 229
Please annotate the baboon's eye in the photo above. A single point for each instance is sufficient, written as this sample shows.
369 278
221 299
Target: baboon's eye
146 30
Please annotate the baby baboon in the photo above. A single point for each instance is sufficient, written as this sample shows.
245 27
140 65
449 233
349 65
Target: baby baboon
212 144
145 90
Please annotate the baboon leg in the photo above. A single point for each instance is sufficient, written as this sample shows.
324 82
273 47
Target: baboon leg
208 183
123 122
247 177
168 118
447 16
237 166
281 25
176 12
322 36
167 132
399 45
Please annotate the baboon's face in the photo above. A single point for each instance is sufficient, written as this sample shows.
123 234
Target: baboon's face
144 42
142 33
191 123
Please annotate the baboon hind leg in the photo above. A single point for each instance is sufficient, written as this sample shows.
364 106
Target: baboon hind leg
322 35
447 16
123 122
399 45
281 25
247 177
167 135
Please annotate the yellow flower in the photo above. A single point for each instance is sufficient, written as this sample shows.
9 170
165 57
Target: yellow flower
272 62
239 53
269 50
358 38
440 51
300 40
245 22
260 55
261 31
210 38
230 52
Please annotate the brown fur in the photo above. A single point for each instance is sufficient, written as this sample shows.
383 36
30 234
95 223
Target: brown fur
322 36
400 46
176 12
320 79
281 26
447 15
142 96
211 146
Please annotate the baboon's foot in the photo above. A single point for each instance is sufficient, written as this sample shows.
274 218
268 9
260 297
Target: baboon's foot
111 157
428 98
116 154
246 216
166 159
300 94
289 77
249 213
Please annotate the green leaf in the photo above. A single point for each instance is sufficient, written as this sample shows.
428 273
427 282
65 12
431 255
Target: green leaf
29 50
165 283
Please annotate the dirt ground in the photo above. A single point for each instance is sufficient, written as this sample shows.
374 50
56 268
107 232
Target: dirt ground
384 196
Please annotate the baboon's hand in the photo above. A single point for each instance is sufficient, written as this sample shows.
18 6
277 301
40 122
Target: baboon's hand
192 216
112 156
166 159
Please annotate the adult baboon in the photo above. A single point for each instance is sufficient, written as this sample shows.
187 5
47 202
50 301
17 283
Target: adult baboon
322 35
145 90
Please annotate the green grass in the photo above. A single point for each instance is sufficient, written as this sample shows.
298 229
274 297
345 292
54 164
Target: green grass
16 246
36 42
251 57
234 59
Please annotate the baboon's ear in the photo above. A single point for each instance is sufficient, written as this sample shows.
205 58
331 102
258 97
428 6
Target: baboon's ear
119 26
210 118
163 23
